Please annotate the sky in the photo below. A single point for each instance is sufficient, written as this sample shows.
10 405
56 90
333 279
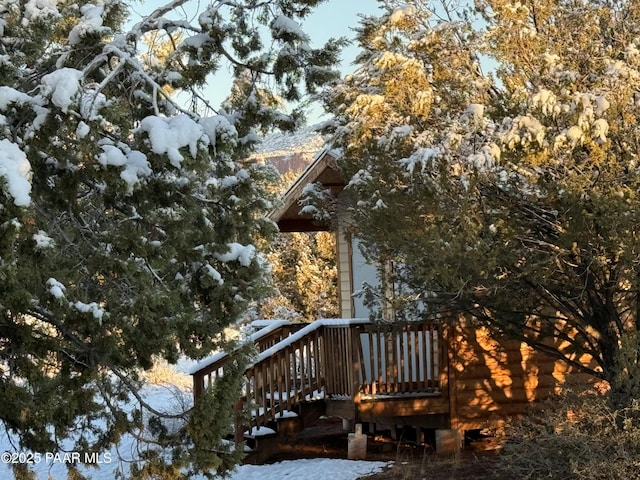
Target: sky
337 18
333 18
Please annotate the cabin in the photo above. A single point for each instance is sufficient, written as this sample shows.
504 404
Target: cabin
440 380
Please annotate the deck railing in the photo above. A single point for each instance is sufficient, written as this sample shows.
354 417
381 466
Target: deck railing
339 358
405 361
285 375
206 372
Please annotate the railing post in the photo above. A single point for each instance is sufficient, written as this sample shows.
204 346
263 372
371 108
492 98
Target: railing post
325 360
198 386
356 349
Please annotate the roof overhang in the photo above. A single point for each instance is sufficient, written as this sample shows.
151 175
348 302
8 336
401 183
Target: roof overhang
322 170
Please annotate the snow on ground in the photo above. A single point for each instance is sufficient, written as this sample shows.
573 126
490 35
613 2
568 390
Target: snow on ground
51 466
313 468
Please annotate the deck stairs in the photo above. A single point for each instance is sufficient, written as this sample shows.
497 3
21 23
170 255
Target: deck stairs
347 368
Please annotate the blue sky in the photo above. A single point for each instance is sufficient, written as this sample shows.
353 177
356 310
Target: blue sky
334 18
337 18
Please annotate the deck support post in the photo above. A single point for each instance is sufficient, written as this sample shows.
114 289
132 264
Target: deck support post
448 441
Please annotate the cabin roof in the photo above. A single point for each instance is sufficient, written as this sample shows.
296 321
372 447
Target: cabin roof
323 170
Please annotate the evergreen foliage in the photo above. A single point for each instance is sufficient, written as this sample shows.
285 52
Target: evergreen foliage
509 195
304 272
575 436
305 276
127 221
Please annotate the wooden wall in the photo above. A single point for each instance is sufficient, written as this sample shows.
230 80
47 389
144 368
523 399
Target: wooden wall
491 380
345 279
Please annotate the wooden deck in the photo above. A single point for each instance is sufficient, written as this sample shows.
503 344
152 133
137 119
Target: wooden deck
362 373
449 378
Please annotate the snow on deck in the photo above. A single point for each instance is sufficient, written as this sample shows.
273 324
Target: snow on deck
268 326
303 332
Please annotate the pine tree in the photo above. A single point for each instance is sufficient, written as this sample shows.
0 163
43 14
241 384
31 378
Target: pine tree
304 275
509 196
128 223
304 272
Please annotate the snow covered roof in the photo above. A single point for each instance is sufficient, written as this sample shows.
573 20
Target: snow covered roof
306 139
290 151
322 170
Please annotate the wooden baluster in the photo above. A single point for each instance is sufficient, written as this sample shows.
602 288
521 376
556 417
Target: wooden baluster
350 364
264 373
382 352
329 353
317 368
346 360
249 393
411 356
294 373
390 362
373 370
309 364
301 369
395 361
320 355
427 356
340 370
402 347
346 364
434 349
288 376
282 394
275 390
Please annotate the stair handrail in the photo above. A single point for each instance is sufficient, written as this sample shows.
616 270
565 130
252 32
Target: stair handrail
305 362
290 371
311 327
216 361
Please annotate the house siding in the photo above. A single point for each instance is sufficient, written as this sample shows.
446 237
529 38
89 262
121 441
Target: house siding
345 280
497 378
